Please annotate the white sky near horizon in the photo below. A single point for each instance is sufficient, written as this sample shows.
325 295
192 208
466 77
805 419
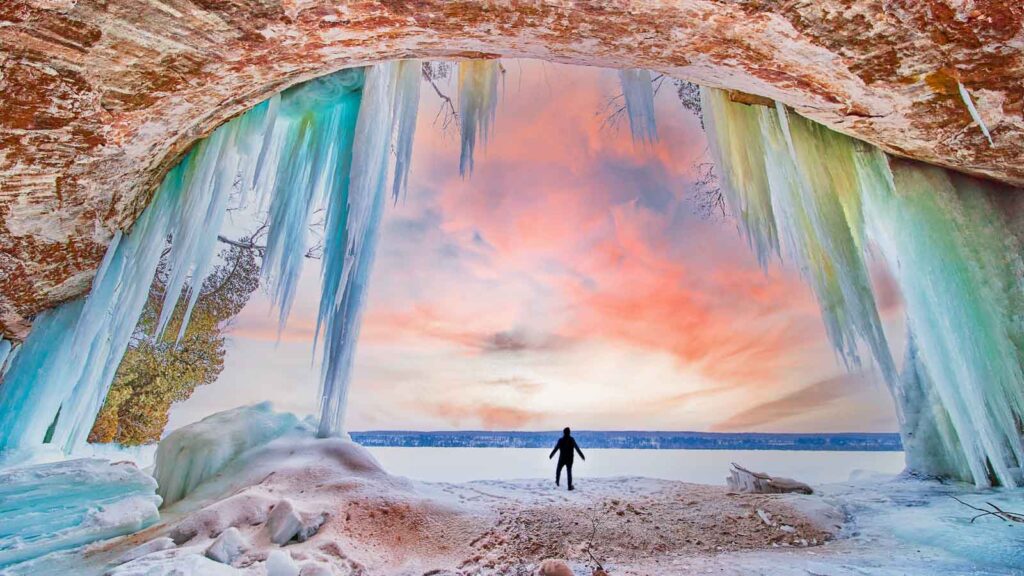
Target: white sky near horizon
568 281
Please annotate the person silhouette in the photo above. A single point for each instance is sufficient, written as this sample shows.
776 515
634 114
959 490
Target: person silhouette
565 447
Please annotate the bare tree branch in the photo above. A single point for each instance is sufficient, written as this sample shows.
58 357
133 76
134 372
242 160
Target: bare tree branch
447 113
995 511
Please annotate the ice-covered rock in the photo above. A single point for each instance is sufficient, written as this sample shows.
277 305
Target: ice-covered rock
228 546
185 565
284 522
279 563
63 505
192 454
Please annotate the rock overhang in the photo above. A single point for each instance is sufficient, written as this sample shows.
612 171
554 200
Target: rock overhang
100 99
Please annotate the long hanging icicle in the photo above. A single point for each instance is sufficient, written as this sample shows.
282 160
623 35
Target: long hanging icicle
740 161
965 96
5 353
346 273
638 91
478 103
789 175
407 105
826 220
314 141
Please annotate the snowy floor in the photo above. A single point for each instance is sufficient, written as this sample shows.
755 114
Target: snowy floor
337 512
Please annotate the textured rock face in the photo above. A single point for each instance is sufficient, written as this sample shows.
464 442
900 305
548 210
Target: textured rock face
98 98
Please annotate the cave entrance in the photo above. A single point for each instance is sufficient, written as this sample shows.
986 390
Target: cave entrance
330 150
579 276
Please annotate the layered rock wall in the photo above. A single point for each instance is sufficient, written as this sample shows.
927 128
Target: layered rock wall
98 98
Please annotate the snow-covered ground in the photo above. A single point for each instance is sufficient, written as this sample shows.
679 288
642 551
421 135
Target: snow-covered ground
298 505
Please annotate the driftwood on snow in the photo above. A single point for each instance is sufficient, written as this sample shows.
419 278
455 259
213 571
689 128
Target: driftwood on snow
742 480
995 511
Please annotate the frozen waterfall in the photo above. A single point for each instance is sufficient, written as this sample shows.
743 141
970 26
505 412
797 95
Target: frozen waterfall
960 397
295 152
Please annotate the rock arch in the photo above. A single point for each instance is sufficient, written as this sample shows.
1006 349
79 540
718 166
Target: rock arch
100 98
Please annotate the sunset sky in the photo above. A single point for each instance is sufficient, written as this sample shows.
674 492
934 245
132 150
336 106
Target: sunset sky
569 281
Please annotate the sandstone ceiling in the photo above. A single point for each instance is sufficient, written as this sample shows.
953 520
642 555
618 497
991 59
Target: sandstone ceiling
99 97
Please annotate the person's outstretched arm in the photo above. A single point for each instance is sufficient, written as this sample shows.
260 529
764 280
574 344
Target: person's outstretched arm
557 444
578 451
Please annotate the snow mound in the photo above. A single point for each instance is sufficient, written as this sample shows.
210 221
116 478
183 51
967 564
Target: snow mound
191 455
52 507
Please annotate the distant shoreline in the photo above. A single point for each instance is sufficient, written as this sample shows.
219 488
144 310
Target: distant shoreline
637 440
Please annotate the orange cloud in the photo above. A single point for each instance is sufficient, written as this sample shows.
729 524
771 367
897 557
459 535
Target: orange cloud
489 416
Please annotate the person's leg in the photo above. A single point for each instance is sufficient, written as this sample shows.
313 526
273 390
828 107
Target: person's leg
568 474
558 473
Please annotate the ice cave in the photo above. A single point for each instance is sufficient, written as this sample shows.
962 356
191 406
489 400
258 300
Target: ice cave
842 134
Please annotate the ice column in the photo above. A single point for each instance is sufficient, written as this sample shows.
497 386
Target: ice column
958 267
638 92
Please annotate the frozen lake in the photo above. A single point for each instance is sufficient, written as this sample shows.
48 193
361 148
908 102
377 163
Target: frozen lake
701 466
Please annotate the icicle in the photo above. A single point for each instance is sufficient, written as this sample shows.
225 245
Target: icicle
966 97
5 352
407 103
478 102
315 130
204 182
639 95
800 178
347 272
739 159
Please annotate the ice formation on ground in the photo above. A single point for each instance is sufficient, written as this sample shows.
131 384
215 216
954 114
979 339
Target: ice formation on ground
638 92
831 198
360 520
52 507
193 454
